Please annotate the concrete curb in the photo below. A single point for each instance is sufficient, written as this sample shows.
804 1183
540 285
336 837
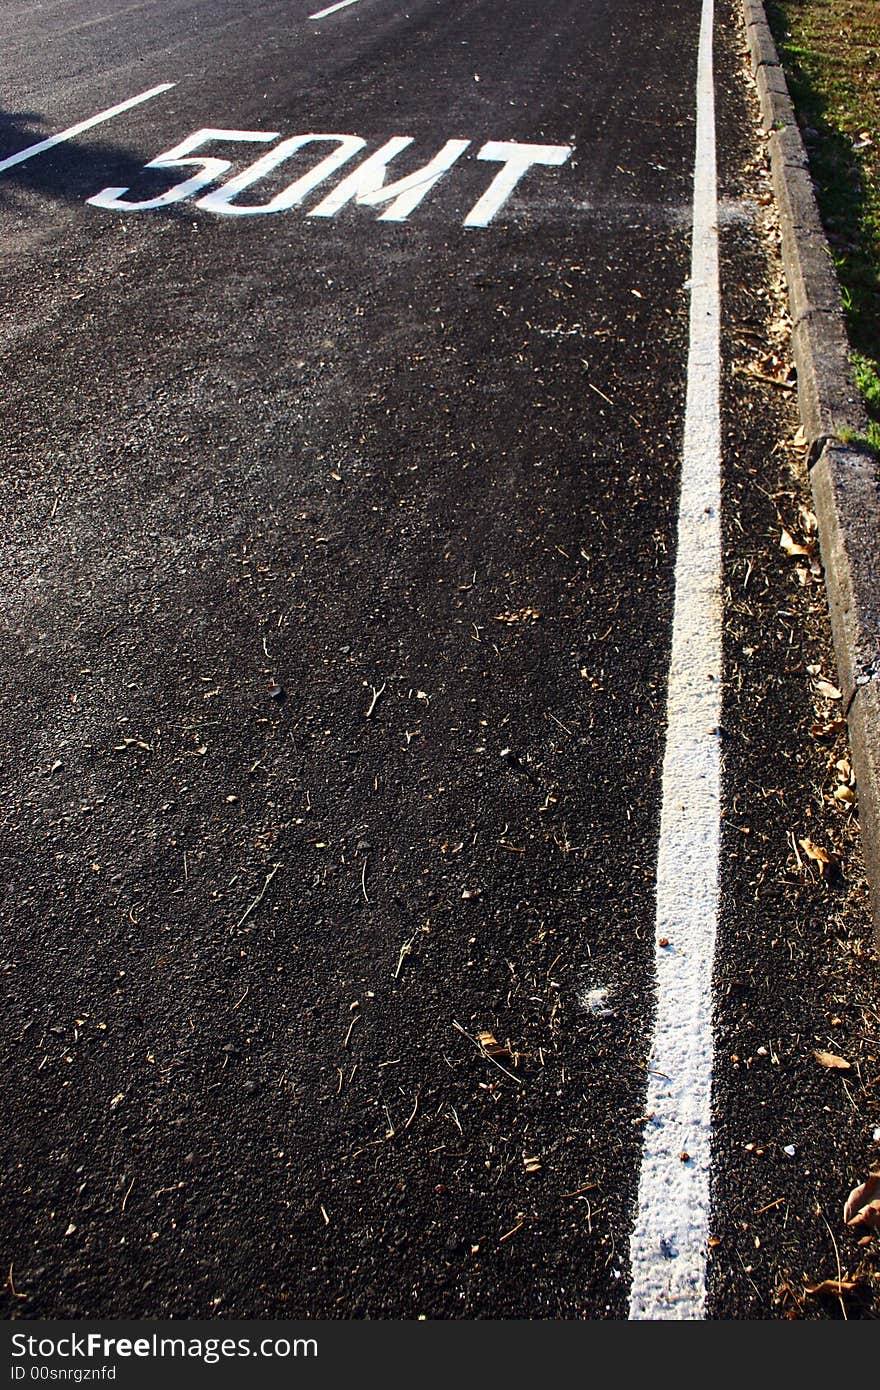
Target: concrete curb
845 478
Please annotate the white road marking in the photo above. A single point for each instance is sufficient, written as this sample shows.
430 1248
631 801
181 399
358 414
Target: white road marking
365 186
209 169
516 158
331 9
669 1243
347 146
367 183
83 125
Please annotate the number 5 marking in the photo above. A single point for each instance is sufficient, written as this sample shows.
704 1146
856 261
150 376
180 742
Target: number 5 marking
210 169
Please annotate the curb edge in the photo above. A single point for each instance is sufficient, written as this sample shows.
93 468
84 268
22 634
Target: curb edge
844 478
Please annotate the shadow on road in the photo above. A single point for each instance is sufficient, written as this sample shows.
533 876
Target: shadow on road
72 171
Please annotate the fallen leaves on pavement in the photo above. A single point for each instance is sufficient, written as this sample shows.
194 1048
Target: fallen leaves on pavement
834 1286
826 689
828 862
831 1060
791 547
522 615
863 1204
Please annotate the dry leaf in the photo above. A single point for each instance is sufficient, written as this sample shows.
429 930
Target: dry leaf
863 1204
815 851
790 545
809 523
831 1060
831 692
844 793
492 1047
769 368
828 728
827 862
834 1286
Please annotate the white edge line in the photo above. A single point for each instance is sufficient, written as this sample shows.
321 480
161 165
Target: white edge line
331 9
73 130
668 1248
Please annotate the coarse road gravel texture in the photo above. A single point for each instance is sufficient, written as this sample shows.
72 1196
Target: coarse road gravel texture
337 586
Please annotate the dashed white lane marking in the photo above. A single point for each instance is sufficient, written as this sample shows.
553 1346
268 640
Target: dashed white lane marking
668 1245
83 125
331 9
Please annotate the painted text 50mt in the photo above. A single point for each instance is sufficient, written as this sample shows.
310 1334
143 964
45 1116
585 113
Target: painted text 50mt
365 184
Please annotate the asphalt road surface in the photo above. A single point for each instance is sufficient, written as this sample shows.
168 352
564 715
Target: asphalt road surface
338 579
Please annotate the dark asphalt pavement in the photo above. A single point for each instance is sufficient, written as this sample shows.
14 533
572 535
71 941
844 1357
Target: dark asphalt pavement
337 584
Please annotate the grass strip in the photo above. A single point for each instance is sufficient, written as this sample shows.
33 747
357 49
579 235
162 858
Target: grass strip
831 53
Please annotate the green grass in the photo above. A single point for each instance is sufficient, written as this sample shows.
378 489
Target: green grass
868 382
831 53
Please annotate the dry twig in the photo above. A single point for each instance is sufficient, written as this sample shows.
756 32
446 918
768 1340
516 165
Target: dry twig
259 898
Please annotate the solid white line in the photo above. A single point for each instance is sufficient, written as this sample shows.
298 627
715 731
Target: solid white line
669 1242
343 5
83 125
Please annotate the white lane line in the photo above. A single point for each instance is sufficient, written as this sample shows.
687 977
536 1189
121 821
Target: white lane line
83 125
331 9
668 1245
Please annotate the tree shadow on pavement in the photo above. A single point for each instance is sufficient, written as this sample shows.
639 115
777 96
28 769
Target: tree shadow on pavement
73 171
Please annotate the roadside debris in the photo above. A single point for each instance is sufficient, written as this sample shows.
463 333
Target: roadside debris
596 1000
831 1061
491 1049
522 615
258 899
829 864
833 1286
862 1206
407 947
770 369
378 692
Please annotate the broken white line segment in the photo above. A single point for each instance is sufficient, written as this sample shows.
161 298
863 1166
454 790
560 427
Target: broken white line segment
83 125
331 9
669 1243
